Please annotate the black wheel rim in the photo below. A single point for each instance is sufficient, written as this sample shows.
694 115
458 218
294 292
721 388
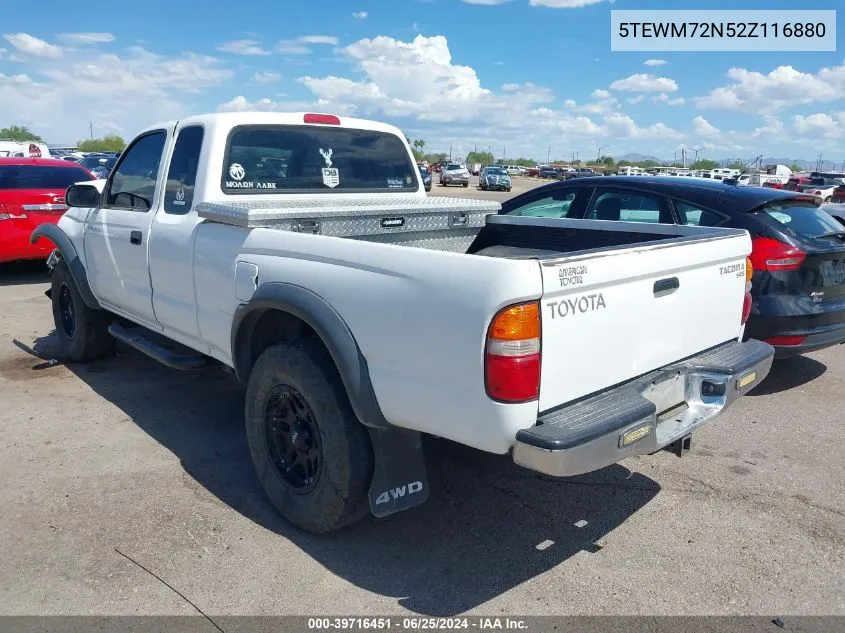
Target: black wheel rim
66 313
293 438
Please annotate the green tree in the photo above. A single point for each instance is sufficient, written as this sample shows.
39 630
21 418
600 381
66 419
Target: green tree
524 162
436 158
485 158
704 163
109 143
737 164
19 133
795 167
607 161
648 164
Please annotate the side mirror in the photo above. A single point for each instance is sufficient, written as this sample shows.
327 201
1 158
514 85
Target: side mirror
84 196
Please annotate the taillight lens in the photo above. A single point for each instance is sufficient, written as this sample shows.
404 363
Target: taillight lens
512 356
773 255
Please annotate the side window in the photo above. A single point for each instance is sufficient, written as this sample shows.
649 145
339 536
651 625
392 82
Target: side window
695 216
626 206
133 183
182 175
555 205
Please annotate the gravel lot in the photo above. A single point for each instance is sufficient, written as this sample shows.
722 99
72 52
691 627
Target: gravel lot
125 454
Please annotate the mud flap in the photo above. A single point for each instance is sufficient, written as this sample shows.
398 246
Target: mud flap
399 477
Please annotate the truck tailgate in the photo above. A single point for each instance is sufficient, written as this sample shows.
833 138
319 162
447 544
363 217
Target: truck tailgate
616 314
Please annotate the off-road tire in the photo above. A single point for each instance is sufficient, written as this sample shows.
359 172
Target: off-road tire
340 495
82 332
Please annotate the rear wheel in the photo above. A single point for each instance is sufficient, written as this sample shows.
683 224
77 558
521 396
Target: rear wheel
311 454
82 332
466 184
828 199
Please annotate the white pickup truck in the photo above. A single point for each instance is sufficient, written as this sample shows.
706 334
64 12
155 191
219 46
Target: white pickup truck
301 251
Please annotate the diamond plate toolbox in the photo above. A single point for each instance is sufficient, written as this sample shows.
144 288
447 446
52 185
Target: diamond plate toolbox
359 217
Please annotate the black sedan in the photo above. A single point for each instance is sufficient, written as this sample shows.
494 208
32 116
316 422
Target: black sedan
798 249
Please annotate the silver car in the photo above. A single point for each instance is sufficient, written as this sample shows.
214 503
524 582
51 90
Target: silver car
493 178
454 174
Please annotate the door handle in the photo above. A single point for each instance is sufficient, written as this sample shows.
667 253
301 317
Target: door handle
135 237
665 286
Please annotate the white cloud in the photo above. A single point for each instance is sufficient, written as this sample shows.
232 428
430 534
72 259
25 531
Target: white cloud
242 47
643 82
703 127
664 98
59 104
655 62
319 39
563 4
622 125
783 87
600 94
83 39
820 125
569 103
292 47
360 15
635 100
771 128
266 77
486 2
32 46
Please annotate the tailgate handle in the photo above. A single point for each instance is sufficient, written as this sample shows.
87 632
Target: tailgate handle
665 286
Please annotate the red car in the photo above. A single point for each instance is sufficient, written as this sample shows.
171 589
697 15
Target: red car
32 192
838 194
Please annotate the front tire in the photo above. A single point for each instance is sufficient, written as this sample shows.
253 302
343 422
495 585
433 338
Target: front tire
311 454
82 332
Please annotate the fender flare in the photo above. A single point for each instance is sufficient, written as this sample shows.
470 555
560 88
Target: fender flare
68 252
329 326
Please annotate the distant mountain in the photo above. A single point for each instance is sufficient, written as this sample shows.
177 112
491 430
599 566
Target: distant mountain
633 157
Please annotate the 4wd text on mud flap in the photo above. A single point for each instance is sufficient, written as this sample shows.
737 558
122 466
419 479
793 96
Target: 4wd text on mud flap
396 493
567 307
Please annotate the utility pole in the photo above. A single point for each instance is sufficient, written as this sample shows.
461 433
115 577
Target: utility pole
696 150
675 159
598 154
450 151
549 156
91 129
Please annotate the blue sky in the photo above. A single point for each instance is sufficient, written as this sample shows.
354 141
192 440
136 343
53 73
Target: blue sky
515 75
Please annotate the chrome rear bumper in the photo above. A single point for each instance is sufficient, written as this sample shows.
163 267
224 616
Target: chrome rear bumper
643 415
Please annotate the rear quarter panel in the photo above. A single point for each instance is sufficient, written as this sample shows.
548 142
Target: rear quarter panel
419 316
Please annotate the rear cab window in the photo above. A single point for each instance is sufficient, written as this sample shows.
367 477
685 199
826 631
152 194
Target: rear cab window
310 159
41 176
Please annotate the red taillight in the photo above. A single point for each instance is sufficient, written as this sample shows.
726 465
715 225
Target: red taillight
773 255
512 356
326 119
786 341
746 307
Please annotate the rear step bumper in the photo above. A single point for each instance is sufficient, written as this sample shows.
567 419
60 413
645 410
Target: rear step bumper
644 415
